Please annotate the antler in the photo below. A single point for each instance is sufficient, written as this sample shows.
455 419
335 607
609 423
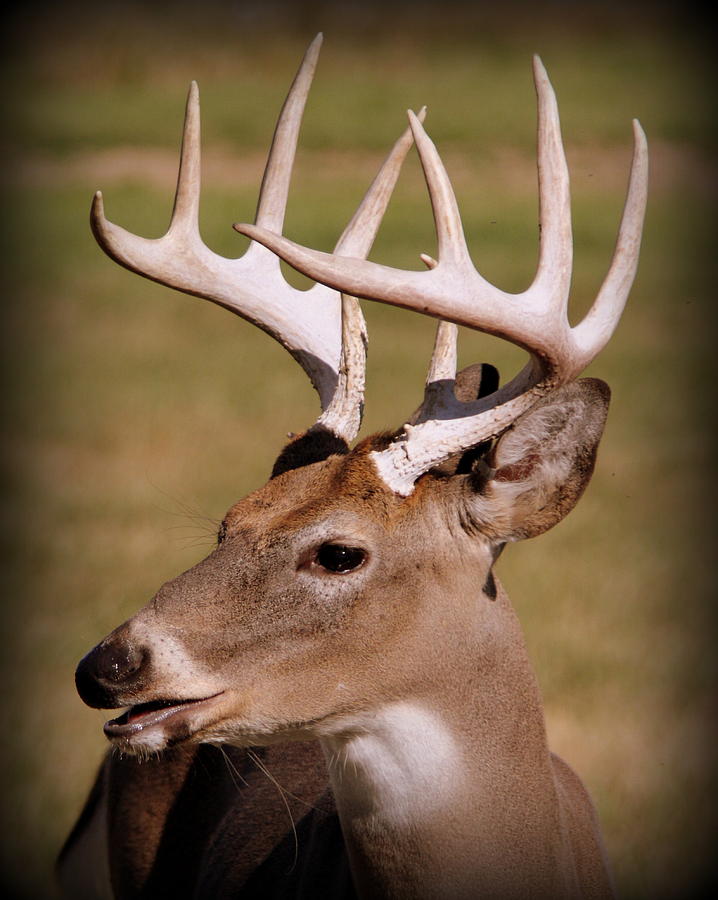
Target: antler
454 290
307 323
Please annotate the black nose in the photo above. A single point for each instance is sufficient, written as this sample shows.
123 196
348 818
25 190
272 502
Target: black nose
109 671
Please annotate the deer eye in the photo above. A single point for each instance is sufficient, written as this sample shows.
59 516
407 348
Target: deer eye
340 558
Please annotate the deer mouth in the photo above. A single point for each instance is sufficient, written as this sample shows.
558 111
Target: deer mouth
169 721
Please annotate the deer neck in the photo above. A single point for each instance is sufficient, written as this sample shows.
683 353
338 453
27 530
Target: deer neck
452 781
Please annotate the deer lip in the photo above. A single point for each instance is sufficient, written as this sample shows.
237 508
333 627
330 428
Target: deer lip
145 715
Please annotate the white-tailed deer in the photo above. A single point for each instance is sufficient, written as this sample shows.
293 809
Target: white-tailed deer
348 634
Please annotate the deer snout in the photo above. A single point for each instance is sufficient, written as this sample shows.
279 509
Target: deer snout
106 675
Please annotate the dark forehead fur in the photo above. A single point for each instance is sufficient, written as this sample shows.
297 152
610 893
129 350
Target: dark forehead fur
314 445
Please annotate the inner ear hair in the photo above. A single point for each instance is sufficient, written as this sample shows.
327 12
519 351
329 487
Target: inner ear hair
538 468
567 420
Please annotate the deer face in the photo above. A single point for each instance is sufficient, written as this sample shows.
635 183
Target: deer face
321 586
328 593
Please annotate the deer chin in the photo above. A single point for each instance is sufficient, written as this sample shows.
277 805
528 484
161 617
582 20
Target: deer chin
158 724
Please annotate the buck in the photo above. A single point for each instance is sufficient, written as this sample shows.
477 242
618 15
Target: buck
346 656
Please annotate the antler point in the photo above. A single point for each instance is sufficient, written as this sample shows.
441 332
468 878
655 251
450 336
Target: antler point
315 46
638 132
540 74
97 210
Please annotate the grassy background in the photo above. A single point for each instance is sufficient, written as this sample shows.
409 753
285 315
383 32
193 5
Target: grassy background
134 416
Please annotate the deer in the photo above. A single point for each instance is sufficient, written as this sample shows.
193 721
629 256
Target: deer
338 701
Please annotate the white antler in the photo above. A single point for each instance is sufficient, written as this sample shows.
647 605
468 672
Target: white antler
307 323
454 290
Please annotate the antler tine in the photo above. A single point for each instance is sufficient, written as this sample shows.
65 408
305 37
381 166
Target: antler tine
272 203
185 212
443 358
125 247
441 377
552 282
344 414
152 258
593 333
447 219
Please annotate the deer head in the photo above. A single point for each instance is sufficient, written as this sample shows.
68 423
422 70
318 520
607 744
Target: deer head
357 577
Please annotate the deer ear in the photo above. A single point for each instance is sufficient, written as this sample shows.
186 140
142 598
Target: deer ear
538 468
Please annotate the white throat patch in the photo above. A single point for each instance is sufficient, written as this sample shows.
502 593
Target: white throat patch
400 762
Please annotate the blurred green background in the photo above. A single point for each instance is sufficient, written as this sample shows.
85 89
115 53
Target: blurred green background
134 416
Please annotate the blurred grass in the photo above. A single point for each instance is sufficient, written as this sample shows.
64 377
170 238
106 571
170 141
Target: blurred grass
134 416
